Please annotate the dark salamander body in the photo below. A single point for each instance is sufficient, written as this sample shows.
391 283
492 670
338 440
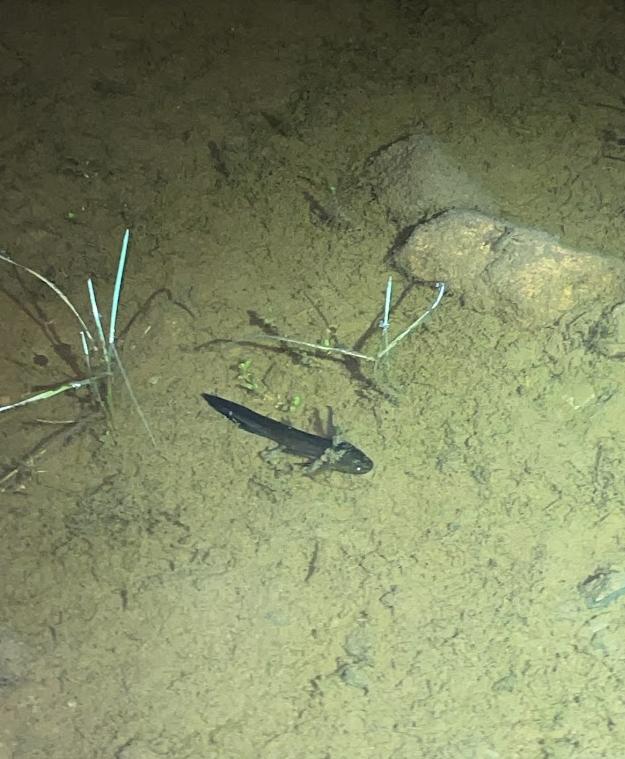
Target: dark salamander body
341 456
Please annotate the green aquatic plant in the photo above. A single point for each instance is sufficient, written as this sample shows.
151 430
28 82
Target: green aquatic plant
246 376
99 350
295 401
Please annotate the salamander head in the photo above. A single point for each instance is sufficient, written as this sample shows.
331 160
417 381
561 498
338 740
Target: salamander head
345 457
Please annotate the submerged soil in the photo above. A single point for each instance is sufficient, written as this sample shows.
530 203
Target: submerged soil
190 600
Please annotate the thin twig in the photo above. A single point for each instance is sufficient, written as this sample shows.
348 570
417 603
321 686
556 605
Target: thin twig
415 324
133 397
356 354
53 287
73 385
314 346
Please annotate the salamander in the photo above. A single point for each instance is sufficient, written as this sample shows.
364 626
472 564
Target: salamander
321 451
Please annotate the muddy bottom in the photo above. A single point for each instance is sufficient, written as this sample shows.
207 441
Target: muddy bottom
189 599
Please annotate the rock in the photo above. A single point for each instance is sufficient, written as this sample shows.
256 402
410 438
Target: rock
520 274
417 176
